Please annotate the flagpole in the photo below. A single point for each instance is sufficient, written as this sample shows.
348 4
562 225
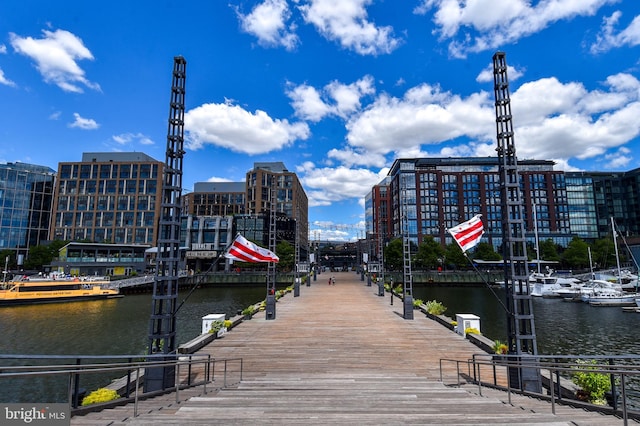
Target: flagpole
487 284
197 283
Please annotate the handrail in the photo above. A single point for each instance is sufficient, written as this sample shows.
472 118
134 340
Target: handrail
559 368
74 371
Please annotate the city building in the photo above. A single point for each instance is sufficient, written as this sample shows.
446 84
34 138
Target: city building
607 195
94 259
290 198
216 211
111 197
26 195
205 238
215 199
435 194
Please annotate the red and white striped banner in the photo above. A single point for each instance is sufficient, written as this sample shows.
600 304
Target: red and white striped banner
468 233
245 251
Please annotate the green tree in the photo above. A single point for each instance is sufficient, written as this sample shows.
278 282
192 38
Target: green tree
286 252
393 256
576 255
454 256
11 264
549 251
429 254
42 254
485 251
603 253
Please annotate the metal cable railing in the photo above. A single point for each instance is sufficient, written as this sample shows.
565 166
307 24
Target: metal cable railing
556 371
190 371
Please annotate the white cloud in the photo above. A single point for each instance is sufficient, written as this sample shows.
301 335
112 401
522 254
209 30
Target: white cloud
425 115
323 189
127 138
478 25
83 123
3 49
308 104
346 21
234 128
55 115
608 38
618 159
335 98
56 56
573 123
486 75
268 22
219 179
4 80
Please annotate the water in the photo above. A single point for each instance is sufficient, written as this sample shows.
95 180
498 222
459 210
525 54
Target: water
561 327
120 326
100 327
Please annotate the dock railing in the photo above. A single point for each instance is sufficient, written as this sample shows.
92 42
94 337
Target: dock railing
70 371
555 372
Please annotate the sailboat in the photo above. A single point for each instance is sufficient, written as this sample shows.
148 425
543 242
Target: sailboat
603 295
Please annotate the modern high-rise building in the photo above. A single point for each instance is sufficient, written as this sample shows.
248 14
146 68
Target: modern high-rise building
26 195
434 194
291 200
608 195
215 199
108 197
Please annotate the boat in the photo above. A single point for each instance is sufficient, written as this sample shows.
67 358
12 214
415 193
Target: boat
548 284
612 297
27 291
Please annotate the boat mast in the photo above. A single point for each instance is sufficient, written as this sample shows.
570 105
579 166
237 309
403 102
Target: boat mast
535 230
615 245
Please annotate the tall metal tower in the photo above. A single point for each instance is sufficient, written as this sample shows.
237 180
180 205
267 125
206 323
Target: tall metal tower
270 305
406 248
521 333
162 324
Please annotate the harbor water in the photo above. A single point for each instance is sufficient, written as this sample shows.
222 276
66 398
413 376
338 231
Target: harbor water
120 326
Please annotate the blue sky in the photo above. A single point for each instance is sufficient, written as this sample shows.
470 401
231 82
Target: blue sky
335 89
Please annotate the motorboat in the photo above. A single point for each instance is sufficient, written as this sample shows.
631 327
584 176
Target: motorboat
546 285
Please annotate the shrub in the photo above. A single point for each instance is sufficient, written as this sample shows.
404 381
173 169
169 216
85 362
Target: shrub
417 303
99 396
228 324
216 326
596 385
500 348
249 310
471 330
435 308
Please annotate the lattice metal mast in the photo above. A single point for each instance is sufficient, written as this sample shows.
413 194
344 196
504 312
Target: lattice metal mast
270 308
162 324
520 321
406 248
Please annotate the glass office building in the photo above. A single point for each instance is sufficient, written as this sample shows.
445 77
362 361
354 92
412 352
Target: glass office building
26 193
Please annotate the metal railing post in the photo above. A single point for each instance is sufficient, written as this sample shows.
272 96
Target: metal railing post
135 401
624 399
551 388
177 379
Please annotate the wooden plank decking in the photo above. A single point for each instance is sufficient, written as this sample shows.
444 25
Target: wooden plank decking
342 355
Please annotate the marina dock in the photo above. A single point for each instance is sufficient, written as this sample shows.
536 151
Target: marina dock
343 355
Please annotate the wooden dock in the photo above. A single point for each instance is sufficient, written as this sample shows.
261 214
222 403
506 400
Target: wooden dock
343 355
